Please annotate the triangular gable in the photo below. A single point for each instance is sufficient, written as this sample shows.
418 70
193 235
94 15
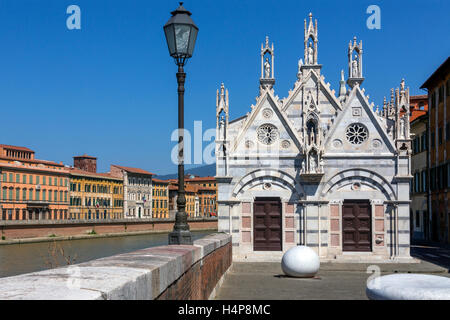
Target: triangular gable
325 89
267 111
357 111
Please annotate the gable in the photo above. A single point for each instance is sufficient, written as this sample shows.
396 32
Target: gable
266 113
326 102
357 130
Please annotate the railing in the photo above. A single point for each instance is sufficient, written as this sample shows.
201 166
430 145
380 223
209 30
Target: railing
164 273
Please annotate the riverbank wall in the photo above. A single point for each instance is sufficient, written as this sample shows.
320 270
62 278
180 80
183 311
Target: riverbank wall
176 272
12 232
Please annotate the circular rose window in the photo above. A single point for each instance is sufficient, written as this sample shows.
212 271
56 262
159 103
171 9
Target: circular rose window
267 133
356 133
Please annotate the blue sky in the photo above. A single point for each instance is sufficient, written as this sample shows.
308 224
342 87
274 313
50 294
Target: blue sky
109 89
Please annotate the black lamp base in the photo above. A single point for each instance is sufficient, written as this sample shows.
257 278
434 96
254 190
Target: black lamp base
180 237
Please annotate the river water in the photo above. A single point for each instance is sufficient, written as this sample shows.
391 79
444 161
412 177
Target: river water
29 257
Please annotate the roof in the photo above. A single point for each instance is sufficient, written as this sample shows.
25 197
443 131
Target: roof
47 162
79 172
85 156
201 179
416 114
419 97
438 74
15 148
133 170
20 165
160 181
187 188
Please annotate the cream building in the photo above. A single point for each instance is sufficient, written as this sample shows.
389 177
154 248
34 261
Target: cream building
137 191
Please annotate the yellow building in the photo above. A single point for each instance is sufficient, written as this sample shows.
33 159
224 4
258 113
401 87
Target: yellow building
94 196
160 198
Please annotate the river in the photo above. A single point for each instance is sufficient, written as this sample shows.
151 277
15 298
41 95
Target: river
29 257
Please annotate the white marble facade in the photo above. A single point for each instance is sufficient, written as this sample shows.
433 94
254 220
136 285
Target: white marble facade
315 150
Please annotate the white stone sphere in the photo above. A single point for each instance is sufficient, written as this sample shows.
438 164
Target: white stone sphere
300 262
409 286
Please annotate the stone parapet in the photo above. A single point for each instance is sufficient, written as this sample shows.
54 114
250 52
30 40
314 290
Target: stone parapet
165 272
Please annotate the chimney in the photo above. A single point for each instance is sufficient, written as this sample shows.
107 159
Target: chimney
86 163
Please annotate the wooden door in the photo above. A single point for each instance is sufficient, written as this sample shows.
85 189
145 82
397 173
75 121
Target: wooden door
356 226
267 225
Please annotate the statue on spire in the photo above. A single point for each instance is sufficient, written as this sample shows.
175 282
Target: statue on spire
355 64
310 40
267 79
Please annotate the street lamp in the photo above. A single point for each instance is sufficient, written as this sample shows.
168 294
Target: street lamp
181 33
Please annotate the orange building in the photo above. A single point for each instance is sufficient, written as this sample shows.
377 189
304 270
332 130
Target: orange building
31 189
438 86
207 193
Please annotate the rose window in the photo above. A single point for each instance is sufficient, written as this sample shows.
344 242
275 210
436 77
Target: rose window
267 133
356 133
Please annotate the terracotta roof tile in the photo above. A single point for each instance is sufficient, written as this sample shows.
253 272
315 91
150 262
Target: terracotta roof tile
160 181
133 170
76 171
15 148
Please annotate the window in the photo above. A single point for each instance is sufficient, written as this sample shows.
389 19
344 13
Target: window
30 180
448 175
267 133
444 175
44 180
417 219
24 179
17 178
433 100
440 135
424 181
440 177
441 93
433 136
30 194
447 131
17 194
24 194
10 177
423 139
416 182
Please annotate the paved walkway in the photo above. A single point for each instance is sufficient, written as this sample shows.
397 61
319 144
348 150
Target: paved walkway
432 252
335 281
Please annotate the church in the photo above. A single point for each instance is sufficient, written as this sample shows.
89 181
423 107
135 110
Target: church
316 168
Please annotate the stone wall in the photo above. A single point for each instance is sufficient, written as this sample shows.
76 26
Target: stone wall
165 272
65 228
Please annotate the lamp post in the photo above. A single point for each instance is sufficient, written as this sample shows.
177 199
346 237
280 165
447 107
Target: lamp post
181 33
